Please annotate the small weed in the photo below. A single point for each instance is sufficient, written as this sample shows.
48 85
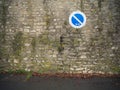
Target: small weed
40 71
29 75
21 71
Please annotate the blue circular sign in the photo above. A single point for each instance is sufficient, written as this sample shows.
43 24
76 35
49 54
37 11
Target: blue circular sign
77 19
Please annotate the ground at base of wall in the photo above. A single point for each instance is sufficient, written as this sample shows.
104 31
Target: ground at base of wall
60 75
18 82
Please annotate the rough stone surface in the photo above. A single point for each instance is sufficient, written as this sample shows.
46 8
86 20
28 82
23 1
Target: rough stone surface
35 36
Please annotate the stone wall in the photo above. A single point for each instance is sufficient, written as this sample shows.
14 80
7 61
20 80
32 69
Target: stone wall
35 35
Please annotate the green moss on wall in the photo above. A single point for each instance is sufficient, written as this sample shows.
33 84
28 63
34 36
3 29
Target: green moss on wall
43 39
82 5
47 18
47 67
18 44
100 4
3 20
2 45
65 23
60 48
33 43
116 69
